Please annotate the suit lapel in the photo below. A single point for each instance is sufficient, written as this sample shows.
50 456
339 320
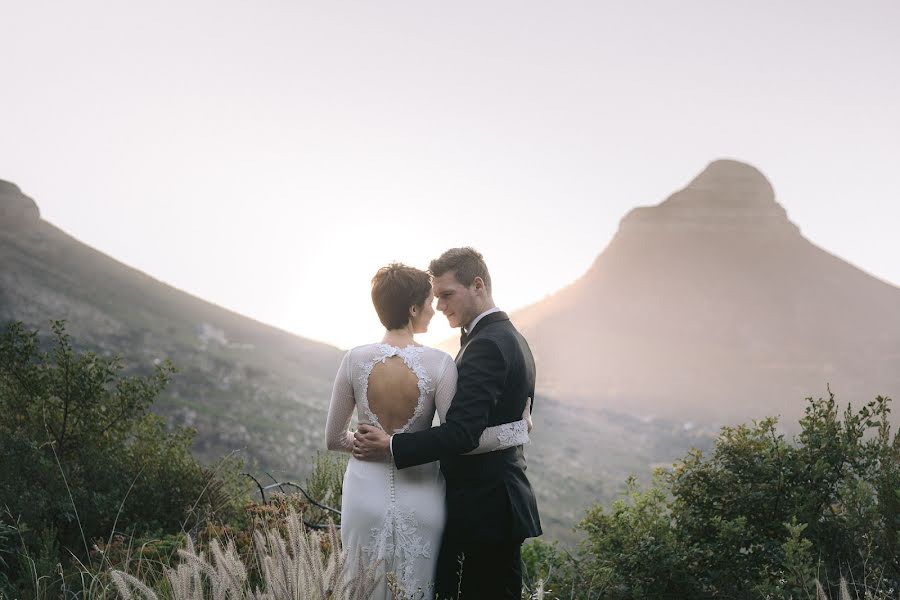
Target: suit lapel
485 320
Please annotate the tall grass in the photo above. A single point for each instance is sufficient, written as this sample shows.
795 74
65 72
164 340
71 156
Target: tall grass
278 558
301 565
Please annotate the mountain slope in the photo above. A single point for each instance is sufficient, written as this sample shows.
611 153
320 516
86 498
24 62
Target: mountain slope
712 306
245 385
241 383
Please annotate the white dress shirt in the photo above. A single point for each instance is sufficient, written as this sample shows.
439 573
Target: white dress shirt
467 330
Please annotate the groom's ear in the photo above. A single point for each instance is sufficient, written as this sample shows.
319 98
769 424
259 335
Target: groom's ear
478 283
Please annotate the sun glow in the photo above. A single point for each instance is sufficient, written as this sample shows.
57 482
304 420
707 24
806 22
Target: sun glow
271 159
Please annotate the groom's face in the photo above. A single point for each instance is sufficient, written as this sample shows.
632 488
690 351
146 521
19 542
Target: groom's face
458 302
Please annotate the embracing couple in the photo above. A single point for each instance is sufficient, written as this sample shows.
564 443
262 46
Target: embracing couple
458 534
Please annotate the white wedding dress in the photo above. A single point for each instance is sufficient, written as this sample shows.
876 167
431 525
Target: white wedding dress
390 516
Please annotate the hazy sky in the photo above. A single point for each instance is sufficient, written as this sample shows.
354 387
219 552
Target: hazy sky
270 156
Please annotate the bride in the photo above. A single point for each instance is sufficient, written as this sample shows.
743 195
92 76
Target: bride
389 517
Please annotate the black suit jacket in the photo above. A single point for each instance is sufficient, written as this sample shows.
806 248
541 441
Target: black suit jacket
489 497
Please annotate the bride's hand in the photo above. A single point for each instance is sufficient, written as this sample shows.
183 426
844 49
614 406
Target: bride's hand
526 415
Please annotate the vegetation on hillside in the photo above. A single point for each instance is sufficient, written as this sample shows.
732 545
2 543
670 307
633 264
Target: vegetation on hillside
82 460
100 499
759 517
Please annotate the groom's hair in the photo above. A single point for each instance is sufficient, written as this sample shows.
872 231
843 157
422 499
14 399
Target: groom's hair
395 288
466 264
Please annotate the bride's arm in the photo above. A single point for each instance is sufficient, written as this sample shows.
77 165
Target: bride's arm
340 411
493 438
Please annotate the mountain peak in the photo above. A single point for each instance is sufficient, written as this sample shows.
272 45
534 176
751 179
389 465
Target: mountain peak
711 306
728 182
726 195
16 209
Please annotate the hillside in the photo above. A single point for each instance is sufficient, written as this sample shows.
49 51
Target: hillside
250 387
242 384
711 306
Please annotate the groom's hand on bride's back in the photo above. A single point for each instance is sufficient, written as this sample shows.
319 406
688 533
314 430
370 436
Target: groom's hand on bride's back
371 443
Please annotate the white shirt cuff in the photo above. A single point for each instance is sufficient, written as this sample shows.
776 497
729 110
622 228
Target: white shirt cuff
391 445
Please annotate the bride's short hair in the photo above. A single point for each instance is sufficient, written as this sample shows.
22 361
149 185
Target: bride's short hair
395 288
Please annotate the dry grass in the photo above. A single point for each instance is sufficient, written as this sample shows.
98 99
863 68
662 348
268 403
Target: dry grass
302 565
867 592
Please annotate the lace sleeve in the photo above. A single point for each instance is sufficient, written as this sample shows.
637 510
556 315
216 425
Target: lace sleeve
340 411
500 437
493 438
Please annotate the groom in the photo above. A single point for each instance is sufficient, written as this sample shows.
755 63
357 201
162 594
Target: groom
490 504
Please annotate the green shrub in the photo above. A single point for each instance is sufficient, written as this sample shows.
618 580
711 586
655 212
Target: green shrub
81 457
759 517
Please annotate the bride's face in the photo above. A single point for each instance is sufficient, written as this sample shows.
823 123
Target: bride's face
458 302
423 314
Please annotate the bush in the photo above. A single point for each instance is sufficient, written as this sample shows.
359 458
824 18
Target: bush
760 517
81 456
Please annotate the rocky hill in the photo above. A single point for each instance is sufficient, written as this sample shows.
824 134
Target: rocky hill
242 384
251 387
711 306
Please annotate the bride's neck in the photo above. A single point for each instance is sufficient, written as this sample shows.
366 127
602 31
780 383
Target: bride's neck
399 337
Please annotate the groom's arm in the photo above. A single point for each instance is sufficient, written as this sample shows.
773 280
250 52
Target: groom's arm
482 374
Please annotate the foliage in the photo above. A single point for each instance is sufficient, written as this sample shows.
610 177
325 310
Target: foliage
761 517
8 552
265 544
82 458
92 483
326 482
